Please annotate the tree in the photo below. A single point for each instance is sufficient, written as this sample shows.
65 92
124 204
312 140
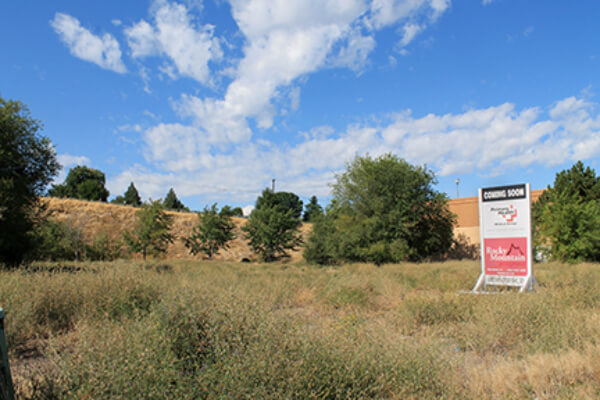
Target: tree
82 183
313 210
232 212
272 228
286 200
132 197
567 217
383 210
214 231
151 234
27 165
171 202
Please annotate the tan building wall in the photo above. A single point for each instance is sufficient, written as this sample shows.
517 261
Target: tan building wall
467 213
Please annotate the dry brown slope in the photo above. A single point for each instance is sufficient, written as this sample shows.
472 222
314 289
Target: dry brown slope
94 218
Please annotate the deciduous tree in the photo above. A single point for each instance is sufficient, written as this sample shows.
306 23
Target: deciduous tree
567 217
27 165
384 210
151 234
272 228
82 183
214 232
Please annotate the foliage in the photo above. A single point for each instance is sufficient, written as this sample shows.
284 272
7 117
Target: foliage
171 202
56 240
383 210
60 241
272 228
312 211
214 231
82 183
567 217
462 248
132 197
27 165
120 199
151 234
103 249
232 212
284 200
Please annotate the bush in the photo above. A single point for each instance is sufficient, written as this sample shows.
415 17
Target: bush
58 241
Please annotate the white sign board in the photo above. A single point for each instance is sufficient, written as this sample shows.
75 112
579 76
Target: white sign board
505 231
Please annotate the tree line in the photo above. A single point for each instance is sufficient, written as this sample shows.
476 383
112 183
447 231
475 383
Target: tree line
382 210
86 183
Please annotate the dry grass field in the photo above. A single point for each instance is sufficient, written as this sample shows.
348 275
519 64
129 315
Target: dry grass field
223 330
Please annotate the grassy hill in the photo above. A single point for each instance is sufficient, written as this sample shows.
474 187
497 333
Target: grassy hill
94 218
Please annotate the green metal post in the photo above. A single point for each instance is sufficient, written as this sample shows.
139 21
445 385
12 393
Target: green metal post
7 392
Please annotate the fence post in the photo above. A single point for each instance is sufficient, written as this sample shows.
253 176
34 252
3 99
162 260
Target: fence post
7 392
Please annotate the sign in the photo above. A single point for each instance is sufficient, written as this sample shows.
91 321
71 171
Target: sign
505 231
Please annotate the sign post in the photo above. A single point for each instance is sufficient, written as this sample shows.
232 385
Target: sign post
6 387
505 233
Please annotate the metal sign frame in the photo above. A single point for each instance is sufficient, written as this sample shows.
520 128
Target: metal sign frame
505 237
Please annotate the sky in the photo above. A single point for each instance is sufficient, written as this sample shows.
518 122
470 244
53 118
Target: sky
215 98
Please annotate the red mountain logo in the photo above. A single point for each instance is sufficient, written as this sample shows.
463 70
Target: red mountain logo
515 249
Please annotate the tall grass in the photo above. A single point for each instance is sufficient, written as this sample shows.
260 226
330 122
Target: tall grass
225 330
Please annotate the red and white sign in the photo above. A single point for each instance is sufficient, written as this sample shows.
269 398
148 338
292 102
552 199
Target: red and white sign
505 229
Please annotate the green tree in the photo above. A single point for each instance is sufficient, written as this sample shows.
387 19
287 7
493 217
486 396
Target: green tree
27 165
82 183
171 202
232 212
214 232
132 197
284 200
118 200
312 211
151 235
57 241
383 210
567 217
272 228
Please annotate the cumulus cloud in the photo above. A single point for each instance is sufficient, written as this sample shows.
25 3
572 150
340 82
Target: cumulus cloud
103 51
492 139
173 33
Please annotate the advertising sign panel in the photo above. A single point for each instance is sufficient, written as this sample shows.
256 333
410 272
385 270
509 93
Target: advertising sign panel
505 229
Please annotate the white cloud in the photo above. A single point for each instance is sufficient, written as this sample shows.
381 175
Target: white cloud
247 210
410 32
488 140
389 12
103 51
174 34
284 40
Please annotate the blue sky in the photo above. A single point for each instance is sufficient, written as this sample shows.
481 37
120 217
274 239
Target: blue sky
214 97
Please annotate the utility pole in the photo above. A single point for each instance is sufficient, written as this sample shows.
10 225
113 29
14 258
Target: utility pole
273 185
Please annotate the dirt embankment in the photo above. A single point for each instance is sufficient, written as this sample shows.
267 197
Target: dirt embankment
95 218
